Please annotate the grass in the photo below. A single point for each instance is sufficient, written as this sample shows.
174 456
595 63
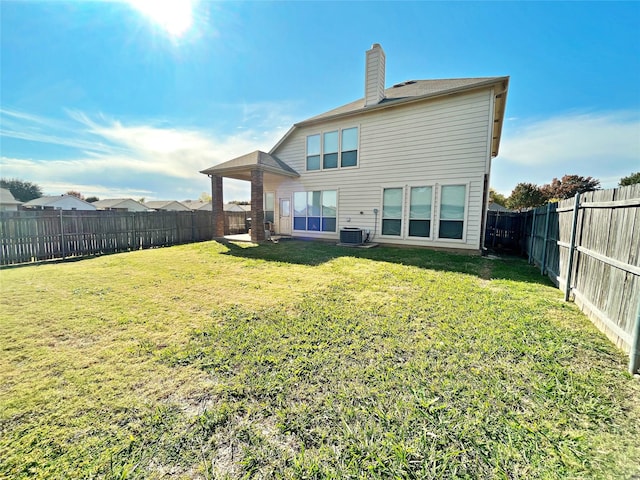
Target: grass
305 360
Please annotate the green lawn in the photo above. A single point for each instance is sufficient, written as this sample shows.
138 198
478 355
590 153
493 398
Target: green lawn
306 360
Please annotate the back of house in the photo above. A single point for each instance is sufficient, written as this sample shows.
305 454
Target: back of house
409 164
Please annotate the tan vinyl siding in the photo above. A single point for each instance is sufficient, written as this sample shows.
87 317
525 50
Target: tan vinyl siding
436 142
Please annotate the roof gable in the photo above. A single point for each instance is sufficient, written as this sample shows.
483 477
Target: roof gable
240 167
53 200
417 91
7 198
119 203
411 90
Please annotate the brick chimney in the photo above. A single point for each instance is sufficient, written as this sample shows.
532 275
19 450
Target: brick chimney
374 76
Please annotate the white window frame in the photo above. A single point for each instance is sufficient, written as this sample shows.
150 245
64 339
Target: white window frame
265 206
406 210
315 232
465 216
339 166
402 212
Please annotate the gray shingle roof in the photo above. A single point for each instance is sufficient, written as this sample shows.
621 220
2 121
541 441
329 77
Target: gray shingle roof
409 91
198 205
50 200
112 202
418 90
241 167
166 205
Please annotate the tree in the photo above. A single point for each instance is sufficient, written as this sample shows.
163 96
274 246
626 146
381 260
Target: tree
525 195
91 199
21 190
205 197
630 180
497 198
568 186
73 193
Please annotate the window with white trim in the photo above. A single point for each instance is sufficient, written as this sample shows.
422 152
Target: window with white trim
349 150
420 200
269 202
333 149
313 152
330 150
315 211
407 211
452 202
392 211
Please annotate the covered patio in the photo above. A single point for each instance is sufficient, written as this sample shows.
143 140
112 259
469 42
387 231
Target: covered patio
252 168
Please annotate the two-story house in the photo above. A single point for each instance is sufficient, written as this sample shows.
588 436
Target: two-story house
404 165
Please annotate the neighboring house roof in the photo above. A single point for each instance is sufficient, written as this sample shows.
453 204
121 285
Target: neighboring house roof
419 90
169 205
7 198
238 167
59 201
198 205
232 207
495 207
116 203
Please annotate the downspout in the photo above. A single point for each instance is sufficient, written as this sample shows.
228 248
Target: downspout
483 220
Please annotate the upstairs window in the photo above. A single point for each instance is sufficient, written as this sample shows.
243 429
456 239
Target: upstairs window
334 149
349 154
330 144
313 152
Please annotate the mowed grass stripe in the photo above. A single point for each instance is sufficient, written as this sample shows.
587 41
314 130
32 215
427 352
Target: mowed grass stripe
304 360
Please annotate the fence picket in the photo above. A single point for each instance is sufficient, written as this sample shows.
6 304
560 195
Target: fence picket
34 236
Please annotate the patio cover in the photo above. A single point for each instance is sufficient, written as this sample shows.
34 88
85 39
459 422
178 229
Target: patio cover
251 167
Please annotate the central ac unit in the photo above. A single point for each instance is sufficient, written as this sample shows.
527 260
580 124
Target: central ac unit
352 235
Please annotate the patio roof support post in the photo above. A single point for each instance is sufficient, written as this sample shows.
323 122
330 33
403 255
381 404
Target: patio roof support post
257 206
217 206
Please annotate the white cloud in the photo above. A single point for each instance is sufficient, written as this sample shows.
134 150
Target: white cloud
605 146
110 157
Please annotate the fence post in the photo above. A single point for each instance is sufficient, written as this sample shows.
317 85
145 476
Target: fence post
634 353
572 246
543 264
533 235
62 249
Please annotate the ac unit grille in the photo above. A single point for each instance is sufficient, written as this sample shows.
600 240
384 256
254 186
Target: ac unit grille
352 235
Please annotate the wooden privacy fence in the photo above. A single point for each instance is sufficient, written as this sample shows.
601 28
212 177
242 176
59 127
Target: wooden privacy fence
235 222
504 231
589 246
33 236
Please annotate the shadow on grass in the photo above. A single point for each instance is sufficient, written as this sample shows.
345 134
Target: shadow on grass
313 253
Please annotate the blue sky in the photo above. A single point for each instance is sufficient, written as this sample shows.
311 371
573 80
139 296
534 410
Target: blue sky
132 99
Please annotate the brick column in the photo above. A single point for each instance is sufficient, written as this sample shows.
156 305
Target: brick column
257 206
217 208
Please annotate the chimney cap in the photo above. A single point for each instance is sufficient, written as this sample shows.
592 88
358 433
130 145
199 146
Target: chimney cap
375 45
